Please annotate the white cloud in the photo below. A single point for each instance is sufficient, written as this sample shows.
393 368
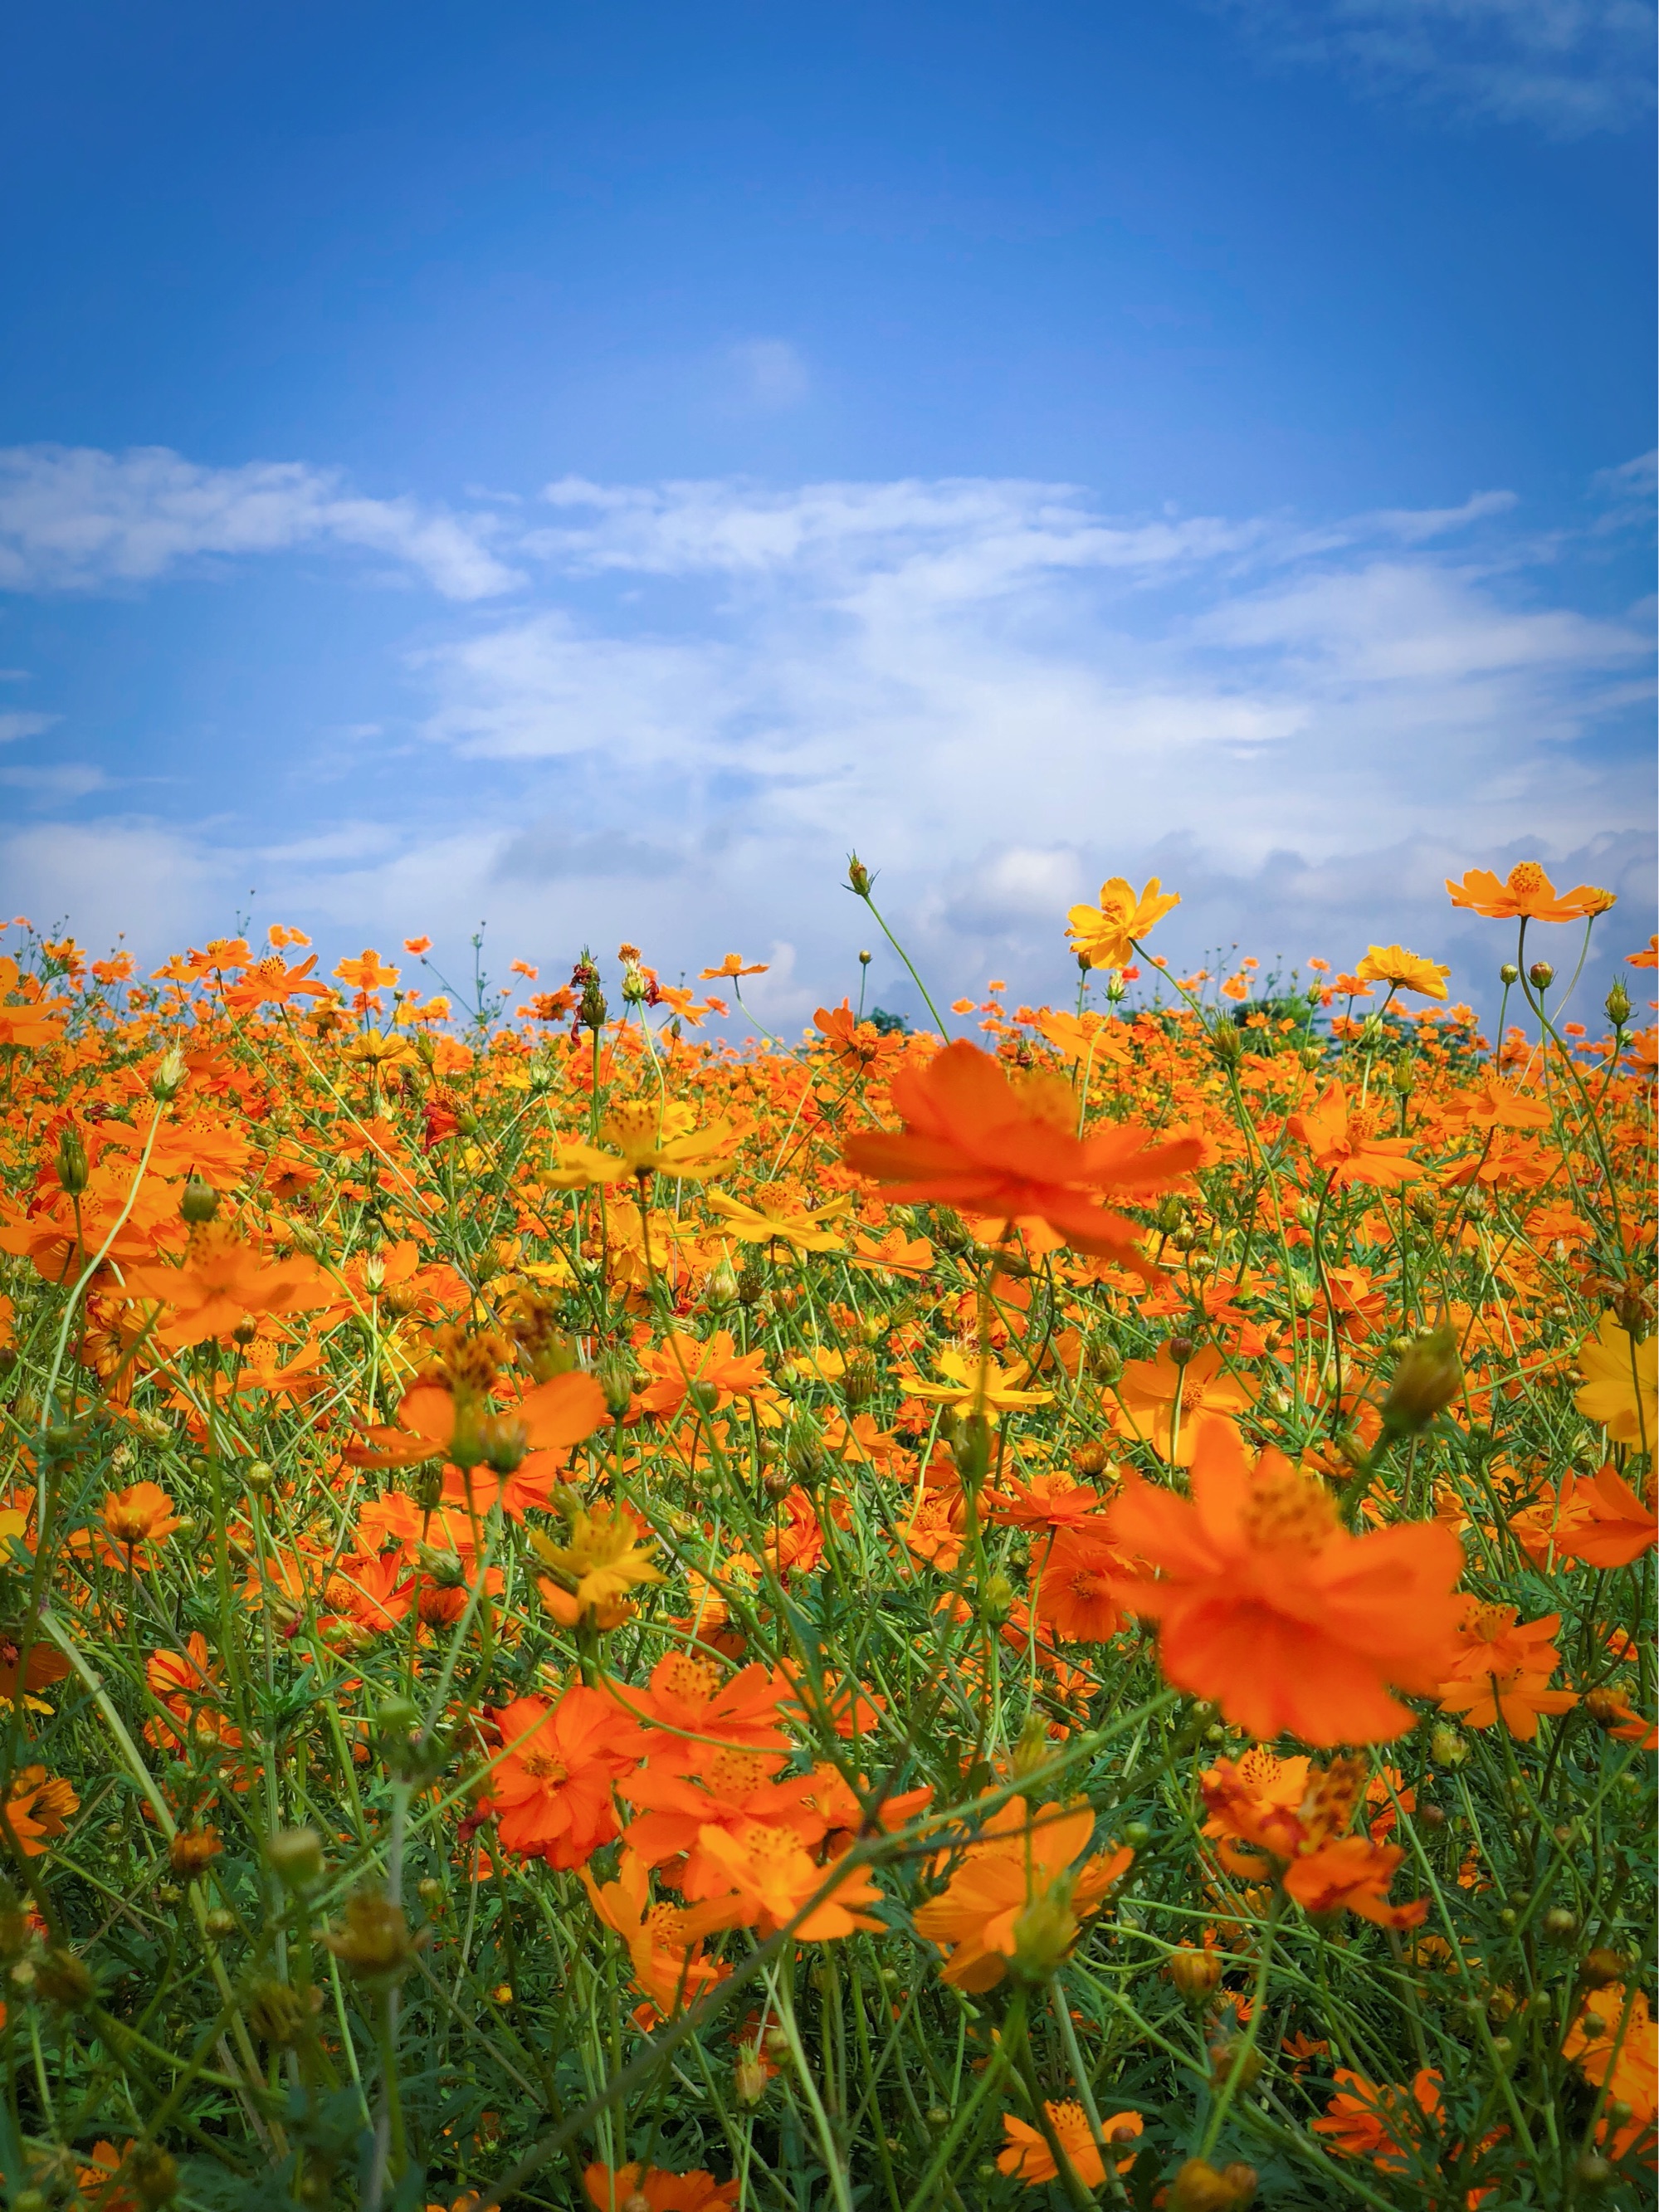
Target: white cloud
1568 66
999 695
155 885
13 727
75 519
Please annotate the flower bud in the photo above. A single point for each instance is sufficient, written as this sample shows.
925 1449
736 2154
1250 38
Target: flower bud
1448 1749
297 1858
1508 974
1201 2187
191 1850
1195 1973
275 2013
1044 1933
72 1169
63 1979
857 876
167 1077
858 1380
996 1599
1618 1006
1180 1350
1227 2054
1428 1377
154 2173
1601 1968
199 1202
1540 975
373 1945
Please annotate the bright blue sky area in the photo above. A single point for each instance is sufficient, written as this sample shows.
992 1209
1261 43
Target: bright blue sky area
1027 443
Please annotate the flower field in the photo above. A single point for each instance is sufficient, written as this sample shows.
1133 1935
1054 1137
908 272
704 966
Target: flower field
600 1609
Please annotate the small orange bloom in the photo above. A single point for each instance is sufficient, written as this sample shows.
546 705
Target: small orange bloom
367 974
1209 1396
1027 2153
611 2188
133 1519
552 1791
1340 1138
38 1809
223 1283
974 1141
1268 1606
1021 1859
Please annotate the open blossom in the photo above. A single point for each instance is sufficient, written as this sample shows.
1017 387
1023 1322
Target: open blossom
1268 1606
1203 1389
552 1791
1105 935
974 1140
1290 1821
1026 2153
1526 894
1339 1136
1501 1671
1621 1383
1023 1857
223 1283
1405 971
611 2189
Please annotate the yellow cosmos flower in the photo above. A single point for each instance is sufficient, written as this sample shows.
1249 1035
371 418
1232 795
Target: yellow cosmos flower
1621 1383
1104 935
773 1223
981 1386
1406 971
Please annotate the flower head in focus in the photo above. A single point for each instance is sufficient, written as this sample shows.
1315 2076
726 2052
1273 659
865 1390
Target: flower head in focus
1105 935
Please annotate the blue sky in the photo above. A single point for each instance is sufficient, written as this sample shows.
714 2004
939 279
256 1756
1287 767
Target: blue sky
585 469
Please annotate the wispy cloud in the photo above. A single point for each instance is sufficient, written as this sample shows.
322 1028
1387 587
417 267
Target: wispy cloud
1568 66
76 519
708 692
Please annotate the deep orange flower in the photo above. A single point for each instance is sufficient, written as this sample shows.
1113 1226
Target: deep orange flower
223 1283
611 2188
1614 2041
187 1686
1502 1670
1021 1859
1527 895
1339 1137
367 974
1026 2152
1378 2122
1269 1606
1209 1396
974 1140
38 1809
734 966
664 1952
717 1368
1288 1820
1610 1526
552 1792
1075 1596
463 1427
770 1876
131 1520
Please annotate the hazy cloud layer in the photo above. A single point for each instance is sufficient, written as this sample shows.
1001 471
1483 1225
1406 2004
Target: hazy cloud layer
73 518
700 695
1568 66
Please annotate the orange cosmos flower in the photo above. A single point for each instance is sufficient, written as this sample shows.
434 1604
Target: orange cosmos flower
1647 957
1527 895
187 1686
1020 1859
1104 935
1341 1141
974 1141
1503 1671
1208 1395
552 1793
1027 2153
666 1958
221 1283
1381 2122
717 1370
1287 1818
38 1807
367 974
1075 1597
772 1875
1269 1606
457 1422
132 1520
1614 2041
612 2188
1610 1525
732 965
1406 971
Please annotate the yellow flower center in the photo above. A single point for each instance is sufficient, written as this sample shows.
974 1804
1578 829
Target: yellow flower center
1526 877
1289 1510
